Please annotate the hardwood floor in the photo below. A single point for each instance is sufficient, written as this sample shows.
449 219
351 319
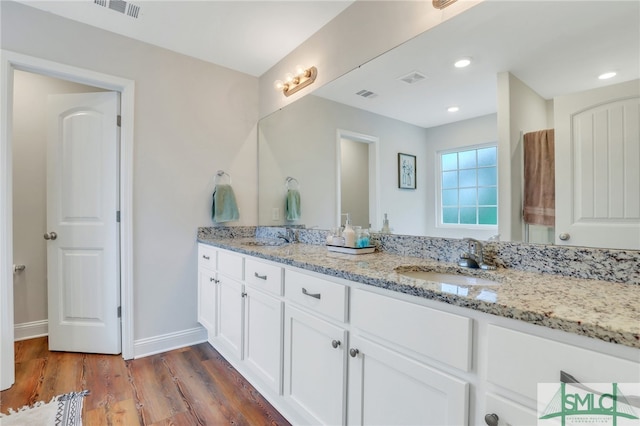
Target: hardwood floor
188 386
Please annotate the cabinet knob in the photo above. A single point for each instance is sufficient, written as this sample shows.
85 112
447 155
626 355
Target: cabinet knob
204 256
354 352
335 343
243 294
564 236
491 419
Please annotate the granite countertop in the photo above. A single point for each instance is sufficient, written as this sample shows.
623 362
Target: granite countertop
599 309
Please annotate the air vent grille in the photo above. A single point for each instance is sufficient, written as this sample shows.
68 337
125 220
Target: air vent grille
366 94
413 77
120 6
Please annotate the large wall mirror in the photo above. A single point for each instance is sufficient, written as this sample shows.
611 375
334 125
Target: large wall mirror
524 56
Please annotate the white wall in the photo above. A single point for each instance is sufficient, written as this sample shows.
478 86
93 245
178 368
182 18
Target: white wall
520 110
191 119
300 141
29 195
475 131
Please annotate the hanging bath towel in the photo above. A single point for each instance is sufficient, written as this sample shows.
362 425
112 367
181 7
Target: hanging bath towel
539 178
224 208
293 204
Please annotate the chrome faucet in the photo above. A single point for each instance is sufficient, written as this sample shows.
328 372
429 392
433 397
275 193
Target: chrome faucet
473 257
289 236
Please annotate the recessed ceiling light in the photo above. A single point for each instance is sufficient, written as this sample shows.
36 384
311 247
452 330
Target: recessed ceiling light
607 75
453 109
462 62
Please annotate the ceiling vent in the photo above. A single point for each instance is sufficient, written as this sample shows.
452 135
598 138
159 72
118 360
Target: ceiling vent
367 94
413 77
120 6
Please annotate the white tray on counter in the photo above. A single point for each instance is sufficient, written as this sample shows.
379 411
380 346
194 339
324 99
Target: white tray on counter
351 250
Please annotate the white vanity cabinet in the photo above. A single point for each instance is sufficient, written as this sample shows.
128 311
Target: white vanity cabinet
315 344
328 351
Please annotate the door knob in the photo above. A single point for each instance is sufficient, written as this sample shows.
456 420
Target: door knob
564 236
491 419
50 236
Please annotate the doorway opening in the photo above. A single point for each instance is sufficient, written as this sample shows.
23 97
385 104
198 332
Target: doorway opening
11 63
357 181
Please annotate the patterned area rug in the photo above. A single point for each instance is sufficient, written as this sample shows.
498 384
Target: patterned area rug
62 410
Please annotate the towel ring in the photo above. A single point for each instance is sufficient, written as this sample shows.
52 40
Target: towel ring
291 183
219 175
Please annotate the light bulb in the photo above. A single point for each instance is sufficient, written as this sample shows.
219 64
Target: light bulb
278 85
462 62
453 109
289 77
607 75
301 71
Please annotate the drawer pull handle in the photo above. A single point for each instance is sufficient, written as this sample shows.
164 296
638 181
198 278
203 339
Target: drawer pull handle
353 352
261 277
491 419
314 295
335 343
204 256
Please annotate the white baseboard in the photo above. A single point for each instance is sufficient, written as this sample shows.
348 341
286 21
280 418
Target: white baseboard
30 330
166 342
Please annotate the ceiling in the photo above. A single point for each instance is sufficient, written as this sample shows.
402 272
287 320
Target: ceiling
246 36
554 47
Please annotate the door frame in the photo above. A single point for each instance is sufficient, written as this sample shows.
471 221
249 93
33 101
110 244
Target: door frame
10 61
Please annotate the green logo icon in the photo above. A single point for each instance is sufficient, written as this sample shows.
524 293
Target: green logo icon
585 405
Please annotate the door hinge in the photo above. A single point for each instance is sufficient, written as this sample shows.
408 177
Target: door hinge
119 311
118 216
119 121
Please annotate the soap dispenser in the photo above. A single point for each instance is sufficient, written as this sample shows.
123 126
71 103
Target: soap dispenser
349 234
385 225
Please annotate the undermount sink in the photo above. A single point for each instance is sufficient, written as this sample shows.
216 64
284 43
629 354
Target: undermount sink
446 277
264 243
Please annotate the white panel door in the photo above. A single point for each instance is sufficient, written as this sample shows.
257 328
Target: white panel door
598 167
82 229
388 388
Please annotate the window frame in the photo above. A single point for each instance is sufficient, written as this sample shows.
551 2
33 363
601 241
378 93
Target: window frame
438 189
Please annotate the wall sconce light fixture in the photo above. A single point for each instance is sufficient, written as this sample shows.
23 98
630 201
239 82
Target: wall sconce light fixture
294 82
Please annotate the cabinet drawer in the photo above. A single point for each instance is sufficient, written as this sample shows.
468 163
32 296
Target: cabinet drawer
322 296
438 335
263 276
518 361
206 257
230 264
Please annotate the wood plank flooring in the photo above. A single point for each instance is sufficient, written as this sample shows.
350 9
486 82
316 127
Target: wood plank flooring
188 386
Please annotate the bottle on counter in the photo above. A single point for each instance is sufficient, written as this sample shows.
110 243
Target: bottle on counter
385 225
349 233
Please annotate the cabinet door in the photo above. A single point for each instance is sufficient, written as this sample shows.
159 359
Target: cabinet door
314 369
230 314
263 337
207 301
387 388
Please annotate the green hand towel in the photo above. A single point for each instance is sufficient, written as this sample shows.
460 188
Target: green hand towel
293 204
224 208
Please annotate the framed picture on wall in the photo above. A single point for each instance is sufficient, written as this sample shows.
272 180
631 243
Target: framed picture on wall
406 171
